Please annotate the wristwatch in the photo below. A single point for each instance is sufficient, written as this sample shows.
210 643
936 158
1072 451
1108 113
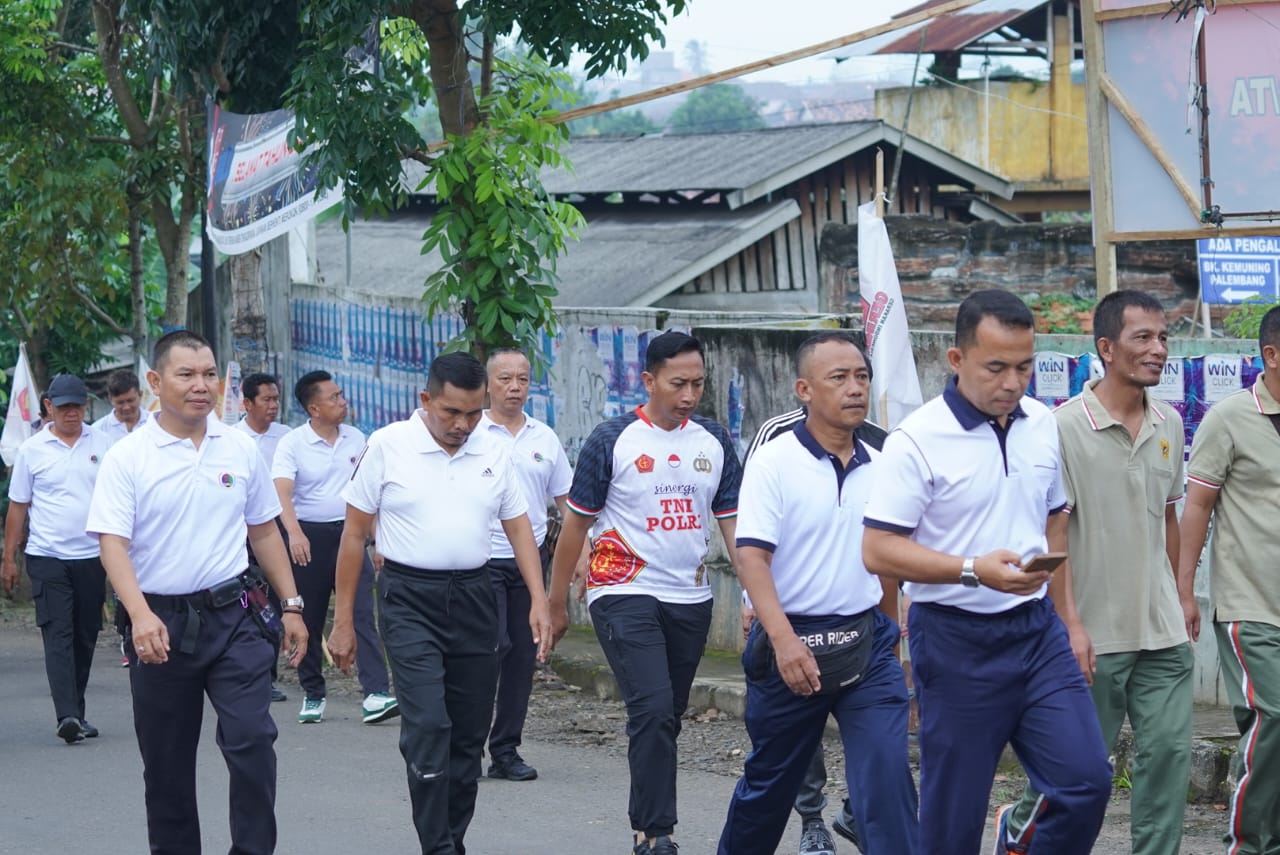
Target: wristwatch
968 577
291 602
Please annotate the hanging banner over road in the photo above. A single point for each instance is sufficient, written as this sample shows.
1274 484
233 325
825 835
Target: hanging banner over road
259 187
1236 269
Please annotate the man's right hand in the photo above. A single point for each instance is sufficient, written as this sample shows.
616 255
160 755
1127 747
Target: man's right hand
9 574
747 615
796 665
150 638
559 621
342 646
299 548
1000 571
1191 616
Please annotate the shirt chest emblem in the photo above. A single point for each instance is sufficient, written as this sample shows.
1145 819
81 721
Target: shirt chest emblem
702 463
1164 449
644 463
537 457
226 479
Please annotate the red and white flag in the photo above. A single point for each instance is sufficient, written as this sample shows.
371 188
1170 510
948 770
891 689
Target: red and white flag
24 408
895 387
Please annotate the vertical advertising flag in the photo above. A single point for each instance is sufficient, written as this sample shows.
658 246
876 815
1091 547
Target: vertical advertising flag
232 399
24 407
894 384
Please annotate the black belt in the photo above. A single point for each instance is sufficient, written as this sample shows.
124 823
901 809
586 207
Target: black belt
329 524
388 564
219 596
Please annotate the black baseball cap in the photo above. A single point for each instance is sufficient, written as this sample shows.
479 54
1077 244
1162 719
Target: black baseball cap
66 389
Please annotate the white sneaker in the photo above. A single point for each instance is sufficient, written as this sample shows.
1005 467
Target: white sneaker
378 707
312 711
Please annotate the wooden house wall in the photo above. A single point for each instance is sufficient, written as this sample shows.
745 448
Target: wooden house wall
787 259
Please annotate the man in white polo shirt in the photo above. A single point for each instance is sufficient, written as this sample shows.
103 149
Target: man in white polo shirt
544 474
1122 469
435 485
261 409
967 491
50 486
173 505
313 464
811 802
652 481
799 539
1233 476
125 395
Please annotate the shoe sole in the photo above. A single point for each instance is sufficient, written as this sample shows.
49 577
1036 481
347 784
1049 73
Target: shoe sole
847 833
70 732
381 715
302 720
503 776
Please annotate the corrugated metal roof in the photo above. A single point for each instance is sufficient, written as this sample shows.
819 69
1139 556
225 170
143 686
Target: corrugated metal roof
948 33
721 161
623 258
745 165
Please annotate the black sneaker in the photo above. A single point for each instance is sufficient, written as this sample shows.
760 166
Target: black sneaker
815 839
513 768
663 846
845 826
69 730
277 694
88 730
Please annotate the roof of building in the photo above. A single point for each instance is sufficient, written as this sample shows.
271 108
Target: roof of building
626 257
742 165
995 26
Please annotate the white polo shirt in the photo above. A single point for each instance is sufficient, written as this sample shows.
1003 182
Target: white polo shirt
955 482
542 468
799 502
114 429
266 441
56 480
319 471
184 509
434 510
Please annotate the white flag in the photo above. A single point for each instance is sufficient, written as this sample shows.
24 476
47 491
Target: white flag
150 402
24 408
894 384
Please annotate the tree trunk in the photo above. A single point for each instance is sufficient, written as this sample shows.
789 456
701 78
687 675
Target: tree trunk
249 325
175 254
441 22
137 284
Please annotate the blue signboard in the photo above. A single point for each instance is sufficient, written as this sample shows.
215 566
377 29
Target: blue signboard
1236 269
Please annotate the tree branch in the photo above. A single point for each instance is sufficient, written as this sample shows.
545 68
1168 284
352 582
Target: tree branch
28 332
98 312
74 48
109 140
105 23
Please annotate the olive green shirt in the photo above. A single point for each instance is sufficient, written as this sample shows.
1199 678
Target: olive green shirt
1117 491
1237 452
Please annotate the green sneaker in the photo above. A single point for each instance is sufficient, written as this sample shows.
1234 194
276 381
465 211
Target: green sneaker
312 711
378 707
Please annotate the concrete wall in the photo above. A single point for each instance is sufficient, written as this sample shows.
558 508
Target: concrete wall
939 263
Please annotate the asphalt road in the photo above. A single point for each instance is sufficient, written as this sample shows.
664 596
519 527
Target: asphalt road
341 786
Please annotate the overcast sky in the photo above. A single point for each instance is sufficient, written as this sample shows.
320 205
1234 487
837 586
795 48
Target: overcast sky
735 32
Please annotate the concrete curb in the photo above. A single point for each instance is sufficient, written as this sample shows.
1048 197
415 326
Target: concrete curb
1211 757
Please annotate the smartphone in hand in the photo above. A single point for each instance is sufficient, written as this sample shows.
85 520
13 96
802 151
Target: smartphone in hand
1048 561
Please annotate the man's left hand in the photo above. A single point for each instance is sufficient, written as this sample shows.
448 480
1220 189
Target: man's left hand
1082 647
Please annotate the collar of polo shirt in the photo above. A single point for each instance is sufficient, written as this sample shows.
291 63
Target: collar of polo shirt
860 454
966 413
50 436
213 426
427 443
1100 417
1262 399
